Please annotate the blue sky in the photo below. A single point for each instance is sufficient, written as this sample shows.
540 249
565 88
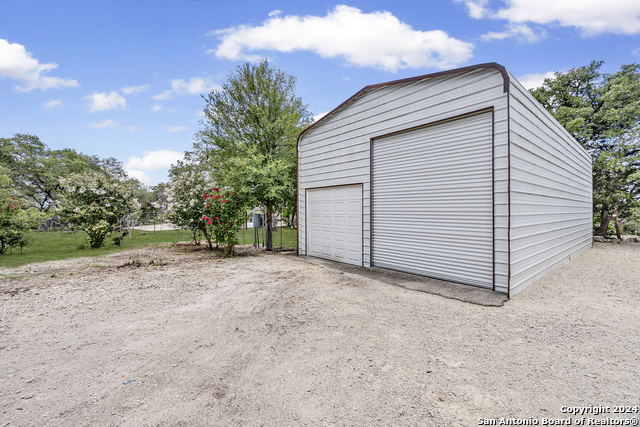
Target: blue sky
123 78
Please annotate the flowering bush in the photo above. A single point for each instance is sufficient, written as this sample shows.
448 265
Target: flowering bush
224 214
195 204
95 202
184 200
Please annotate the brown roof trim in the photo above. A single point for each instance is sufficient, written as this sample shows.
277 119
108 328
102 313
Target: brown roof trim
503 71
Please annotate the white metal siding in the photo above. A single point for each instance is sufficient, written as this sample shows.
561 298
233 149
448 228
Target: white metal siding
335 223
336 151
432 201
551 198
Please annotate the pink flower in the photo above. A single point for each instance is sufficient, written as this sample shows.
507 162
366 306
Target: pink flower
217 218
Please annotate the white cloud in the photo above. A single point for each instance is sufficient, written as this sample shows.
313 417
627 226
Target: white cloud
534 80
175 128
140 176
52 104
154 160
104 124
128 129
522 32
103 101
590 17
636 52
200 113
108 123
18 64
194 86
159 107
376 39
132 90
319 116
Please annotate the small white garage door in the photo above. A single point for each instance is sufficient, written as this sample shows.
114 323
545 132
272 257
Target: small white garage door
433 201
334 223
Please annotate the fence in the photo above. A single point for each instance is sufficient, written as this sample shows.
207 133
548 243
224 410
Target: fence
53 224
283 237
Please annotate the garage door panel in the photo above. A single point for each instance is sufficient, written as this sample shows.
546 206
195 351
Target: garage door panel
432 201
339 224
354 221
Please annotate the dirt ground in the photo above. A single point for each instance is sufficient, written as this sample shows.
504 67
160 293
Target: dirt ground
270 340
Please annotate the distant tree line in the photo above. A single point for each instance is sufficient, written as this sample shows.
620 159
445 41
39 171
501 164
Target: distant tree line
36 183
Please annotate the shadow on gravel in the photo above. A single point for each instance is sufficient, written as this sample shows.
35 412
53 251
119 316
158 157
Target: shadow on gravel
414 282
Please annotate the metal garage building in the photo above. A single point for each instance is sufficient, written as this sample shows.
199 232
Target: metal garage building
459 175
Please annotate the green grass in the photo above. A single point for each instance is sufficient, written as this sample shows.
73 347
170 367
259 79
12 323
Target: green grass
57 245
284 237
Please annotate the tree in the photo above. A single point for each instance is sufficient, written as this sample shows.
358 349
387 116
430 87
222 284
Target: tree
15 217
35 169
249 134
95 202
602 112
188 184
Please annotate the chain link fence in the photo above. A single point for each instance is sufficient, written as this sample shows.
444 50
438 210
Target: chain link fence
284 236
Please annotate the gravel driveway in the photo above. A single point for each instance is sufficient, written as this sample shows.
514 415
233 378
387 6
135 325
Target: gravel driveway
270 340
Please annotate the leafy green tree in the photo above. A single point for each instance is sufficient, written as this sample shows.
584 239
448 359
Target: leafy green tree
35 169
602 112
15 217
249 134
159 197
96 202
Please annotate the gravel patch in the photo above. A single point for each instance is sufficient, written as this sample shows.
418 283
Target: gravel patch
270 340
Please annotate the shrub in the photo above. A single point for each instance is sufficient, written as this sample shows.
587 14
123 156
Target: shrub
224 214
15 220
195 204
94 203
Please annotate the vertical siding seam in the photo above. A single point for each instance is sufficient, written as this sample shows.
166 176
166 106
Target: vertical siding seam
370 202
493 194
509 194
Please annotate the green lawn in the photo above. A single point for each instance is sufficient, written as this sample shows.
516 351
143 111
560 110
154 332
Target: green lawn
284 237
57 245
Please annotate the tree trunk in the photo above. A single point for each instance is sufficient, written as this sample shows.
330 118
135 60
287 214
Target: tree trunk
617 223
269 238
207 236
605 219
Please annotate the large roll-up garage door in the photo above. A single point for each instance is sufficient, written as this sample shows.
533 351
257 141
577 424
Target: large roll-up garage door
432 201
334 223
